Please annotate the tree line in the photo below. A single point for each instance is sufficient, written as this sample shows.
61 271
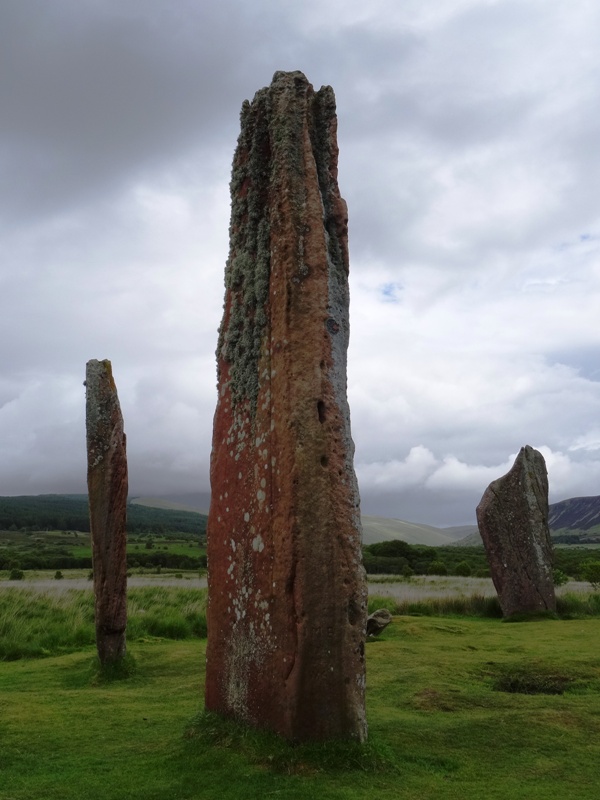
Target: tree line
71 512
399 558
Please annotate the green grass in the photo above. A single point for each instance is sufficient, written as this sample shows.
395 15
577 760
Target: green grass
474 605
36 624
441 725
568 606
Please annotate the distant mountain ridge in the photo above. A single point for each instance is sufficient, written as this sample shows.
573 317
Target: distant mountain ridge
571 515
576 513
567 518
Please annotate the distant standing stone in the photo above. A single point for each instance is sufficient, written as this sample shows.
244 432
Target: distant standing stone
513 522
287 590
107 491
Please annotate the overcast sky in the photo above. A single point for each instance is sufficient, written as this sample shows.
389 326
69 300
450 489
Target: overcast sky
469 138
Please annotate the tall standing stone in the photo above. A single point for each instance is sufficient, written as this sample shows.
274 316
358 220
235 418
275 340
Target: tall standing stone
107 490
513 522
287 593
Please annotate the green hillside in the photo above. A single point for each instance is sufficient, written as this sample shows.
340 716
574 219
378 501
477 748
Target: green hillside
70 512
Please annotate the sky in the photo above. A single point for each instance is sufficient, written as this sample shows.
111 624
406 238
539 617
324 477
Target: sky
469 159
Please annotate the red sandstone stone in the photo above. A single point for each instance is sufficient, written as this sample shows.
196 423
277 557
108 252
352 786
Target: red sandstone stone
513 522
107 490
287 593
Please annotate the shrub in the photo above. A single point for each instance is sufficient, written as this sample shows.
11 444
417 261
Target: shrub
559 577
16 575
58 576
437 568
591 573
463 569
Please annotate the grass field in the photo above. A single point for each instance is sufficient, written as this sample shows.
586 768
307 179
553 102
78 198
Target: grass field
458 708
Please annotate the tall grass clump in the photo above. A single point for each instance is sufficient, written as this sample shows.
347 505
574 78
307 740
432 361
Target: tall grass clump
34 624
37 624
167 612
113 671
474 605
576 604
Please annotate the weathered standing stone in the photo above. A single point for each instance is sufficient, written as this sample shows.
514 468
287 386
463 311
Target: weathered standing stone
107 490
287 592
513 522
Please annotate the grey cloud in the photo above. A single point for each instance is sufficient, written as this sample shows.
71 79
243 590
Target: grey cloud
94 94
468 162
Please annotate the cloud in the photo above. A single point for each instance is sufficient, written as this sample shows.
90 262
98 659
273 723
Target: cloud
469 162
450 489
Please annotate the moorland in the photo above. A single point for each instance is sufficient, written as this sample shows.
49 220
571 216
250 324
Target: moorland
460 704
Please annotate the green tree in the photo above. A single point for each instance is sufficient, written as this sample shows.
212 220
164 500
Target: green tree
591 573
559 577
463 569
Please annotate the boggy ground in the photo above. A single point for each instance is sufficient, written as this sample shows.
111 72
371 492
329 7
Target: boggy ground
441 723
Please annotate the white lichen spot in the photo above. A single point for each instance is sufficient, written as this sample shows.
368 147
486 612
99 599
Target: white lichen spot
261 496
263 483
246 517
257 544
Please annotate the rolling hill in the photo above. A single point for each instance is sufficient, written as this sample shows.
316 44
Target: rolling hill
576 520
381 529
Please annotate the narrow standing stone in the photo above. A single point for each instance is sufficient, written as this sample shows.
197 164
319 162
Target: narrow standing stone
513 522
287 592
107 491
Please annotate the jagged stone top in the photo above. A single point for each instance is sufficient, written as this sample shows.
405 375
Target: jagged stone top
270 162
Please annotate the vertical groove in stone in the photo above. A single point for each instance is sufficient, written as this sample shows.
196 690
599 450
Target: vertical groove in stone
107 493
287 592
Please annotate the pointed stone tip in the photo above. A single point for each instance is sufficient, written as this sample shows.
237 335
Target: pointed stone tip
529 453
